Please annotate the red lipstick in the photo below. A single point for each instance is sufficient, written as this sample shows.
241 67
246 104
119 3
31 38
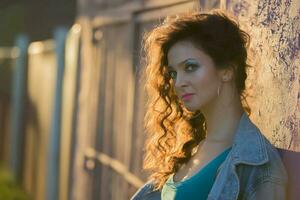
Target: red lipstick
187 96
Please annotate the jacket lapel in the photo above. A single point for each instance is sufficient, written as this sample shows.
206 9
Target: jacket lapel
248 148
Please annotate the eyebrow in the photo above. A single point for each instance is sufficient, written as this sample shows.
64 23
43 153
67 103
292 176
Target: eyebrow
181 63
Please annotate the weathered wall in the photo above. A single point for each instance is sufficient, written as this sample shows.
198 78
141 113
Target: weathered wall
274 80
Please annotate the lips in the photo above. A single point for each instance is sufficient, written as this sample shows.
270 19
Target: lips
187 95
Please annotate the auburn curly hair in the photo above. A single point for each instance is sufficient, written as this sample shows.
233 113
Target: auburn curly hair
173 132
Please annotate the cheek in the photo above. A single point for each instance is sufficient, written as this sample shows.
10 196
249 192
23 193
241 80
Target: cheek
205 82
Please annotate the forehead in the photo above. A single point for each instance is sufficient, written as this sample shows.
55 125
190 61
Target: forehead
183 50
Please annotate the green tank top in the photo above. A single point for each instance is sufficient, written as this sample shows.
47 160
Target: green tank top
197 186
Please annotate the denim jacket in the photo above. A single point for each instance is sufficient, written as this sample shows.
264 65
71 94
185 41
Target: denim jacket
253 170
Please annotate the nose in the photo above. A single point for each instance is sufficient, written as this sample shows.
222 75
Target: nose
180 82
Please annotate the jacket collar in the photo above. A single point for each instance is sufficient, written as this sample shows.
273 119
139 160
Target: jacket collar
248 144
248 147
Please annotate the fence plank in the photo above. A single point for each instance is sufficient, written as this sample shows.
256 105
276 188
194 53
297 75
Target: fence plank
41 82
69 103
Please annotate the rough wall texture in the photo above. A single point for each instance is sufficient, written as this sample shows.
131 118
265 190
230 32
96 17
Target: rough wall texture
274 81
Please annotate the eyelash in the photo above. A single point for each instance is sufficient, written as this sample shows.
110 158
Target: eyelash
188 65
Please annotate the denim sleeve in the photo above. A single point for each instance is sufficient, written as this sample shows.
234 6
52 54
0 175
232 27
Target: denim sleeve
145 193
269 188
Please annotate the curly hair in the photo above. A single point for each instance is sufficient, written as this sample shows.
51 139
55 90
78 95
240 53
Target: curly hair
173 132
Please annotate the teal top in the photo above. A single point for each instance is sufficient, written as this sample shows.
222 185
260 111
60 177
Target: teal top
197 186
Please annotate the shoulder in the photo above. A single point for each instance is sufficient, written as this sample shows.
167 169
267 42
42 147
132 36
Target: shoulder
270 175
146 192
274 167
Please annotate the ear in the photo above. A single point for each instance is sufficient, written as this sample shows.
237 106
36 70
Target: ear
226 74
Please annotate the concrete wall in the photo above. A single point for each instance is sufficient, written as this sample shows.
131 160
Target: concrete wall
274 80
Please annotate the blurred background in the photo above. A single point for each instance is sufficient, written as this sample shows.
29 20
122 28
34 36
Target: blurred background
72 102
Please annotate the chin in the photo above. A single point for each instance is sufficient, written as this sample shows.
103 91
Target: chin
192 108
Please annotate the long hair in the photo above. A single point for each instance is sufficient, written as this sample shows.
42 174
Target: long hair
173 132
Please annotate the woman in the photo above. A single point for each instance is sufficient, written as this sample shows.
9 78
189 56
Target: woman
201 142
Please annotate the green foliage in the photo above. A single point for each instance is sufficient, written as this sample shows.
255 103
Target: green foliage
9 189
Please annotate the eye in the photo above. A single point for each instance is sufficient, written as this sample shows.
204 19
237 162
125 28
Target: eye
191 67
172 74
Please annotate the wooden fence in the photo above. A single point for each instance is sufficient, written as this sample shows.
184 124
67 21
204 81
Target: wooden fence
80 126
110 134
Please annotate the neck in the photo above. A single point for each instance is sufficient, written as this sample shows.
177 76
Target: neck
221 128
222 122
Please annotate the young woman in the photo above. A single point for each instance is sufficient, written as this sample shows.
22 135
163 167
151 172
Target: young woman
201 142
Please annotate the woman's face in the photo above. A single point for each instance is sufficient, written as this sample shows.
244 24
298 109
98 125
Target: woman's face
194 73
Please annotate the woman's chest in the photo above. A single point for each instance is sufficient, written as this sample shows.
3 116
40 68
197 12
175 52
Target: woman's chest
194 165
198 162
